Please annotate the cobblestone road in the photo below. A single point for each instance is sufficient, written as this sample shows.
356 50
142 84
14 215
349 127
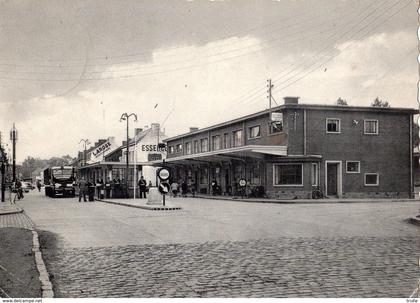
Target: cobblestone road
285 267
222 249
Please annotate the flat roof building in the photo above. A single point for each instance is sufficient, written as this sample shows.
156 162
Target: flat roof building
287 151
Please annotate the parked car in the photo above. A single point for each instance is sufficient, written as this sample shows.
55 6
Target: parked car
25 187
30 185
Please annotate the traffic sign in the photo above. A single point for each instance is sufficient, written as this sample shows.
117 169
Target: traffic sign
164 188
163 174
242 182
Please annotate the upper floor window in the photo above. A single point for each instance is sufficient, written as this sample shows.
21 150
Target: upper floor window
276 123
204 145
254 132
171 149
333 125
195 147
225 140
215 142
371 127
179 148
237 138
188 149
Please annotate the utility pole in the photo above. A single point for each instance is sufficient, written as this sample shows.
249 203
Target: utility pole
270 86
13 138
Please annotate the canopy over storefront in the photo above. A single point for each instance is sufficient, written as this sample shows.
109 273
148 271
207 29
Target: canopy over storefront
234 153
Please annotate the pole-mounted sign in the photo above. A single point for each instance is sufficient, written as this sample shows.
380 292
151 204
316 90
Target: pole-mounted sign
164 188
163 174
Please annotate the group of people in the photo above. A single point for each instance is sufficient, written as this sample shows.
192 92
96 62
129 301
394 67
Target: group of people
183 189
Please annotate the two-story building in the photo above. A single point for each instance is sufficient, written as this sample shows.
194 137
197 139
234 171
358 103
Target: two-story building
288 150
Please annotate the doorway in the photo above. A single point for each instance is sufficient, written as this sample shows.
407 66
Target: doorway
333 182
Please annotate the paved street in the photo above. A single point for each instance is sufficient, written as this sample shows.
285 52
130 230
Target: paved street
219 248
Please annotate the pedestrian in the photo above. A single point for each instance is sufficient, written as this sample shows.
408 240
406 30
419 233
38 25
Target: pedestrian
19 189
184 188
174 188
108 188
192 188
38 185
82 189
149 186
142 186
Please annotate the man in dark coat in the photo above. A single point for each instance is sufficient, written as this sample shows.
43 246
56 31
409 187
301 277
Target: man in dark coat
142 186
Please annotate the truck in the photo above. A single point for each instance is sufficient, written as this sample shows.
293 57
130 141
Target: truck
59 181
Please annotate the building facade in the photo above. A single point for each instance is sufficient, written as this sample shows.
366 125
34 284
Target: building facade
106 160
287 151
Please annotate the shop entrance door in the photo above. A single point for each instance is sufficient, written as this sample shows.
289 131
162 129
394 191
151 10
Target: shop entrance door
332 179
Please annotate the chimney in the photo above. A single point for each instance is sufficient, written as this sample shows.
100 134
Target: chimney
193 129
137 131
291 100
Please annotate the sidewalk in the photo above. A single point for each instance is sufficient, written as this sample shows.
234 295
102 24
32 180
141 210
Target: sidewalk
303 201
7 208
140 203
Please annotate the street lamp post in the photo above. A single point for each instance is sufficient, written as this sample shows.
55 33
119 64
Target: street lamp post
13 138
85 143
125 117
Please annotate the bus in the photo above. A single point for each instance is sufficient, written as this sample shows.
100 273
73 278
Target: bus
59 181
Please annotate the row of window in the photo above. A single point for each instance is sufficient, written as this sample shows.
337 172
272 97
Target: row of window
371 127
222 142
292 174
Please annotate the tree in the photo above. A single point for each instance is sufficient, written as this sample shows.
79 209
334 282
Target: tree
380 103
341 101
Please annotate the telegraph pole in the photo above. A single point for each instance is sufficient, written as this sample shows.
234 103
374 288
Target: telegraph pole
270 86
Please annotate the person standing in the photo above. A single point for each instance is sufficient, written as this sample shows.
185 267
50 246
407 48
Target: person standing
82 189
108 188
184 188
142 186
38 185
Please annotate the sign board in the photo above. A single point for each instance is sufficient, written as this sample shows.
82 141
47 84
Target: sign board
164 188
242 182
154 157
153 147
102 150
163 174
276 117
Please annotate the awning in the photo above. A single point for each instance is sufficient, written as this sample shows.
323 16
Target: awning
235 153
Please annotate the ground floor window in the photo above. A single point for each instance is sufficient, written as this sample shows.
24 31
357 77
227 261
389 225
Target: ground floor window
371 179
314 174
288 174
353 167
254 175
238 172
204 177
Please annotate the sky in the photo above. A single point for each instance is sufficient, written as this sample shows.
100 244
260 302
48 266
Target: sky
69 69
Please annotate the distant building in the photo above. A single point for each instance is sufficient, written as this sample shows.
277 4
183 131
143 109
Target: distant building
287 151
107 160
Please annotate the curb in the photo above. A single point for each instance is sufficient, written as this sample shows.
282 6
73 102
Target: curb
308 201
415 220
11 212
142 206
46 286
